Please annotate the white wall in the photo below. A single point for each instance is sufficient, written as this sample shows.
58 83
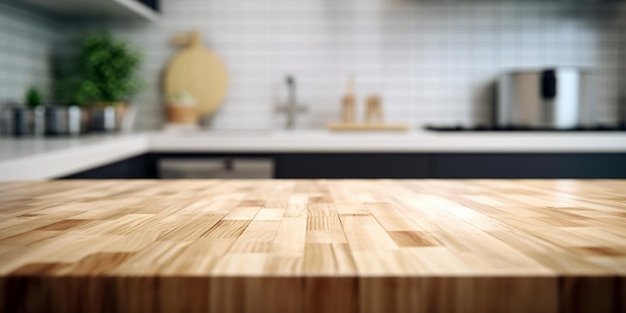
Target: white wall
26 43
432 61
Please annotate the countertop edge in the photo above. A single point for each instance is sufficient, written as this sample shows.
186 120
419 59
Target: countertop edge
421 142
100 151
72 160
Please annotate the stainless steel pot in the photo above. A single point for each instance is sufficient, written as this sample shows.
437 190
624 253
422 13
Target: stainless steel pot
111 118
39 121
551 98
16 121
103 119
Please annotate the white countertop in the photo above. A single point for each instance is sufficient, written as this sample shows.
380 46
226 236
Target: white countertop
42 158
414 141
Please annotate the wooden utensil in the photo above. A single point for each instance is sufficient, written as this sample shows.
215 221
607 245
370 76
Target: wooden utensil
373 110
348 103
198 71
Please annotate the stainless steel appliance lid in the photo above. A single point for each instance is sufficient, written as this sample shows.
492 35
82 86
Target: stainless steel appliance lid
543 69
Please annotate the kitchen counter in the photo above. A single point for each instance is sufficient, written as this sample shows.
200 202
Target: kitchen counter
42 158
313 246
31 158
412 141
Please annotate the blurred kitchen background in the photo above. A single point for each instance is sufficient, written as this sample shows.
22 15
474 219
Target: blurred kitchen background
373 89
433 62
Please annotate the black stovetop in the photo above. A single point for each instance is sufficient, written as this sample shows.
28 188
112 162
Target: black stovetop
477 128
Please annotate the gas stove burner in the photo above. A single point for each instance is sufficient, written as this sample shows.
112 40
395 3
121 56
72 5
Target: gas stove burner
478 128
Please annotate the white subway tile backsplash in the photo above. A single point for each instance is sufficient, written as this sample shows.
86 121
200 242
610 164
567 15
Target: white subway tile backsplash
26 41
432 61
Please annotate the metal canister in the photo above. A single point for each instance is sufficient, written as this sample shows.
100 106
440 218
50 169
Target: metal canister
104 119
62 120
16 121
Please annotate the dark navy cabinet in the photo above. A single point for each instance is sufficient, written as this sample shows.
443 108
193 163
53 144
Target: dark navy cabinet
353 165
529 165
396 165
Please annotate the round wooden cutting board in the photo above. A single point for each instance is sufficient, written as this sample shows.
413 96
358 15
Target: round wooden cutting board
199 72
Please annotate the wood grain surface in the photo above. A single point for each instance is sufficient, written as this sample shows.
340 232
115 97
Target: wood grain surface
313 246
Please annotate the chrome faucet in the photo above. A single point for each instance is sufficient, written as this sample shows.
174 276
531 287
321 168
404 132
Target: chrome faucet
292 106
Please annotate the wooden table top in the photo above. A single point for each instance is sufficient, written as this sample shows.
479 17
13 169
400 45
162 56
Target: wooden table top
314 228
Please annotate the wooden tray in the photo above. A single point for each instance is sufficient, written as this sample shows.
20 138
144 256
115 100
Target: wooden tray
368 127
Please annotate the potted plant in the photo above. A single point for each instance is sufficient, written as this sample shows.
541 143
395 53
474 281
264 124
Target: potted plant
52 119
182 110
106 79
33 99
22 118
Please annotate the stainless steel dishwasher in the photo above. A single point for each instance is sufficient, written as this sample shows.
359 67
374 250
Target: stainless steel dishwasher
216 168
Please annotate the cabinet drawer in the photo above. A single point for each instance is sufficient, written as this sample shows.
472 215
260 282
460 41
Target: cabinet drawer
351 166
232 168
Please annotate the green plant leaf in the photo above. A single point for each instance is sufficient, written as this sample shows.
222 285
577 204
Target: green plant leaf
107 69
33 97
